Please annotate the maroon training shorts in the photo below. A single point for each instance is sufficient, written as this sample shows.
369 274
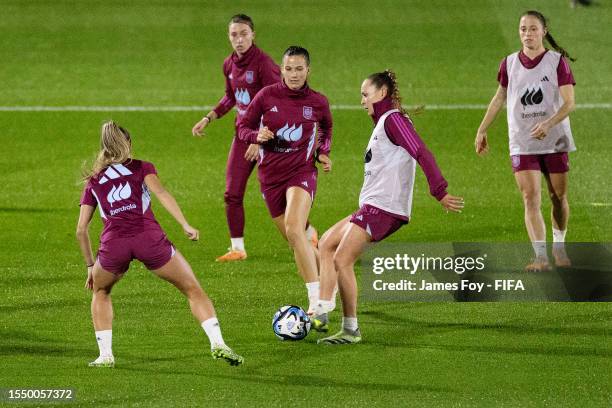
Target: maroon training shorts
151 247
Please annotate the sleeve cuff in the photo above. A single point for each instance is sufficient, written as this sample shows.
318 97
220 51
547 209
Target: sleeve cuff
440 195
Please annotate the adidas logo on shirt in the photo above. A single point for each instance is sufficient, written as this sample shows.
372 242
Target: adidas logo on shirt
545 79
305 183
113 172
274 109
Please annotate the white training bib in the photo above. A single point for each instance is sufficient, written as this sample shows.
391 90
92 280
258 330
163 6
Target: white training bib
389 173
533 96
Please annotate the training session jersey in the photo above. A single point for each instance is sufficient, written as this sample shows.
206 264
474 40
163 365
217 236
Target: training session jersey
244 77
391 156
122 197
302 124
532 97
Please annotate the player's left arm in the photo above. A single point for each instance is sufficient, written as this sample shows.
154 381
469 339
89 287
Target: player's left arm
402 133
82 234
167 200
540 130
324 137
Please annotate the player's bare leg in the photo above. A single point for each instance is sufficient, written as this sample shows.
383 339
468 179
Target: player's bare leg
299 203
327 248
328 277
530 183
352 245
296 215
102 314
179 273
557 189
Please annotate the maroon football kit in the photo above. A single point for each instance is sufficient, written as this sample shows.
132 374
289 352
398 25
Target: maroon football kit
302 124
244 77
130 229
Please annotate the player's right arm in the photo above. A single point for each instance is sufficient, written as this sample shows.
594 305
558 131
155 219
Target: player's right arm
82 234
496 104
249 130
227 102
167 200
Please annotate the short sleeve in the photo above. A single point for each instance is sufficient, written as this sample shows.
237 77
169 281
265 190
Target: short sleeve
564 73
87 198
502 74
148 168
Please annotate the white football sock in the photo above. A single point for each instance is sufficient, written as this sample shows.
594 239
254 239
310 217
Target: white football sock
333 299
558 235
105 342
238 244
324 306
539 247
349 323
313 294
213 331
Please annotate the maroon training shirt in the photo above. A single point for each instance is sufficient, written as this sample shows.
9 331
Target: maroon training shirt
123 199
301 122
244 77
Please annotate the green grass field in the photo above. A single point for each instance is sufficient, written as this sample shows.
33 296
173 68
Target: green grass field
154 53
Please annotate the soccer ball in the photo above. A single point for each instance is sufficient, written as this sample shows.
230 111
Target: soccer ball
291 323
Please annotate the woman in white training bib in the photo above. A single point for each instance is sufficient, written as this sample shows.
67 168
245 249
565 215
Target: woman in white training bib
538 87
385 202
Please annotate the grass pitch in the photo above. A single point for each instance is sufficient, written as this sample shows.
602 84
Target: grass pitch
170 53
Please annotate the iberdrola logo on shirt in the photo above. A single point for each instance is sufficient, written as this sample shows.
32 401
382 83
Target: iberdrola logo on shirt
532 95
242 96
289 133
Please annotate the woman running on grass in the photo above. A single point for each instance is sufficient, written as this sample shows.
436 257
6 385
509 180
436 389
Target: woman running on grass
119 186
385 201
293 125
247 69
538 87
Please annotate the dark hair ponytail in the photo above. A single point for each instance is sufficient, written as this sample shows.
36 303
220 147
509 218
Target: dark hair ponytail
548 36
388 79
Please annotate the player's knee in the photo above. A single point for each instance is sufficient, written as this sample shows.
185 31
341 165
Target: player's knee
342 261
233 198
102 292
327 244
531 198
191 289
294 233
558 197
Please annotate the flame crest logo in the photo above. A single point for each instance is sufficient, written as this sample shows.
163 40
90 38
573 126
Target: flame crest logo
532 95
123 192
242 96
289 134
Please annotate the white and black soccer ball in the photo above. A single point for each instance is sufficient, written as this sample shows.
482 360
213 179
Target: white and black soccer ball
291 323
